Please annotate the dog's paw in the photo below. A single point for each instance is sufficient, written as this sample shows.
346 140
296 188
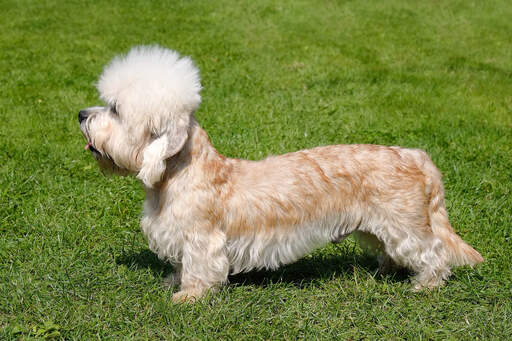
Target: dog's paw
423 285
185 296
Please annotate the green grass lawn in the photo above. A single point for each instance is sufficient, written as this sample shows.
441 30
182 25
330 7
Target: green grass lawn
277 76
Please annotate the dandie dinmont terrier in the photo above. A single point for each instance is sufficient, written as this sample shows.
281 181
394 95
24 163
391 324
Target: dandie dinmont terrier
211 216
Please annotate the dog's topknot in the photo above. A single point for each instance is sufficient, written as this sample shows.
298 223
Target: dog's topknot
151 81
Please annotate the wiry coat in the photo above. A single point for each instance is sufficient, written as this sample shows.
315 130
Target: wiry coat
210 215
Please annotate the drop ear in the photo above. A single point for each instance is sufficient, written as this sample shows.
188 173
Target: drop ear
167 144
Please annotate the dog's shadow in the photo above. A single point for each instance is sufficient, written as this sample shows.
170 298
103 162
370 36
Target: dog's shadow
311 270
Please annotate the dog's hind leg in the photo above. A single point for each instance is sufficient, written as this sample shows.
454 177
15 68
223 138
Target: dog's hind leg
417 248
429 245
205 265
427 257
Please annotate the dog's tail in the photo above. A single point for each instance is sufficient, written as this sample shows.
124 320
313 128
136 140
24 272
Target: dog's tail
459 253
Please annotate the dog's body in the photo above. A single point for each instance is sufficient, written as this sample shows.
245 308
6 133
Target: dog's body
210 215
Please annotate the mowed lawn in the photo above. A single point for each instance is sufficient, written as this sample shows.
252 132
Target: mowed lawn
277 76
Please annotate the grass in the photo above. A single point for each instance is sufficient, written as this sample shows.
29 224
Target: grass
278 76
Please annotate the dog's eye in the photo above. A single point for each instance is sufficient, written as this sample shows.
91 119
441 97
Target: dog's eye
113 109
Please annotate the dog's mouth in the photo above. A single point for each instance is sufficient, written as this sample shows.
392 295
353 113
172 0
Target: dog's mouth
90 147
84 127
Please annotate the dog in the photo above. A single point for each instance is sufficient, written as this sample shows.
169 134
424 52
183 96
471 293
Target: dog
211 216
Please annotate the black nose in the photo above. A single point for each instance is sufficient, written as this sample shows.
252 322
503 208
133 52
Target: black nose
82 115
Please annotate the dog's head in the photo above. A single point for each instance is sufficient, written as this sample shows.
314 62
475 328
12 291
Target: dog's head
150 95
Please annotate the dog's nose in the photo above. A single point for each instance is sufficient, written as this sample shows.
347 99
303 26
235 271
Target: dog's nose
82 115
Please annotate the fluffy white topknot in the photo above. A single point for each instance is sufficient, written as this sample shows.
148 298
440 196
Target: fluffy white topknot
151 85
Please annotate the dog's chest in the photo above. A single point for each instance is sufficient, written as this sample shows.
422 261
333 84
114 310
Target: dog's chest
165 236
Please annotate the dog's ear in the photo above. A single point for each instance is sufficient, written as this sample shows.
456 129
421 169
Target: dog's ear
168 142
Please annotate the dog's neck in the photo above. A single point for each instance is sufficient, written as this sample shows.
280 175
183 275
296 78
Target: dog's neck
198 151
199 146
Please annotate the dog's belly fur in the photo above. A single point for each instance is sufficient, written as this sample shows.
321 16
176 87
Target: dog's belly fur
256 250
273 248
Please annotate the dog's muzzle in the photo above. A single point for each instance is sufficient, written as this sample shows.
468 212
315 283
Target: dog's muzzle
82 116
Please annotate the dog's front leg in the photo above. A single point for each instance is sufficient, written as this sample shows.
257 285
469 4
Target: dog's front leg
204 264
